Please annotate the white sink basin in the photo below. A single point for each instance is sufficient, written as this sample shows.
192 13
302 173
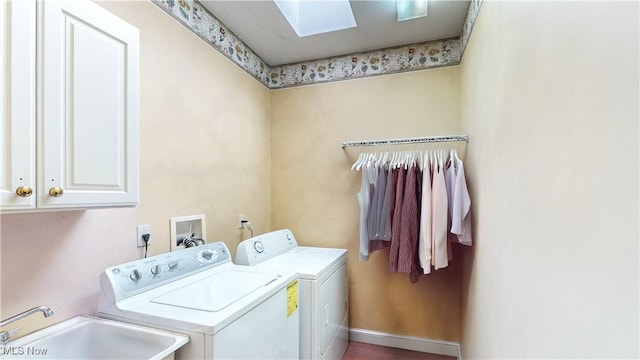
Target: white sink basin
84 337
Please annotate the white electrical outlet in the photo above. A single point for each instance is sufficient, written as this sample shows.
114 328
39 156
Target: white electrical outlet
143 230
241 218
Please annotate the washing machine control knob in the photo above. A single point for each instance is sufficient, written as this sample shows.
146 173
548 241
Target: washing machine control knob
258 246
135 275
172 265
207 256
155 270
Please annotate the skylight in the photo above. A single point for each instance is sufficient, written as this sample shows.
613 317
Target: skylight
311 17
411 9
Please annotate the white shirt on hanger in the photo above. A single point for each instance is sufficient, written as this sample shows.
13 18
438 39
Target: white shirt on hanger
461 204
425 236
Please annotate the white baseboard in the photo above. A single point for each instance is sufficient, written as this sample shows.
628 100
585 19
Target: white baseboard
405 342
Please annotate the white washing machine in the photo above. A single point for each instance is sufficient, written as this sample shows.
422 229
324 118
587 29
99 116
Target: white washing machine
228 311
324 288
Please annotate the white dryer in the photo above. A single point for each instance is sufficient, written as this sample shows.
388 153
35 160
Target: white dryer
324 288
228 311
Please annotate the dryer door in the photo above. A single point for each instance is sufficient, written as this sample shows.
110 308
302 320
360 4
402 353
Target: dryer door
334 305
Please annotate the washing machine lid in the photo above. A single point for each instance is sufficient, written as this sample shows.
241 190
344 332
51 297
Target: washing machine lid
216 292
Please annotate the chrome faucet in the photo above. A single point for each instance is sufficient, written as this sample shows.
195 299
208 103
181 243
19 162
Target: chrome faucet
5 335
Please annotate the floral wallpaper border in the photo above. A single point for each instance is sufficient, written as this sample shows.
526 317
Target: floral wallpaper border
201 22
420 56
469 21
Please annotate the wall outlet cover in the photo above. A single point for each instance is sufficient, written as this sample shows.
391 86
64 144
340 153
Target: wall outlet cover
142 230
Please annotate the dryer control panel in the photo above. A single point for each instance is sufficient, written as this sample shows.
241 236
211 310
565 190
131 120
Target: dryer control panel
263 247
134 277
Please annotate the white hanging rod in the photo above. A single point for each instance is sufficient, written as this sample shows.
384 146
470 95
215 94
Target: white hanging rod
417 140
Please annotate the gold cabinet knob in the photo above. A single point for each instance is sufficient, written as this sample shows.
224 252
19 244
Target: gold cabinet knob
56 191
24 191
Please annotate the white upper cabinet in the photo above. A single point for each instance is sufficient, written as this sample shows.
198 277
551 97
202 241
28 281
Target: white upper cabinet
17 104
86 109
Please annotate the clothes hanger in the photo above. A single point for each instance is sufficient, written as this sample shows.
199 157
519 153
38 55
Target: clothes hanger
362 161
434 159
451 161
385 157
365 161
357 161
371 163
427 160
381 160
414 158
405 160
455 153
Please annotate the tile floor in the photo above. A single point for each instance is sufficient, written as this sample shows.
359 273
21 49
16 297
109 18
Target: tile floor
362 351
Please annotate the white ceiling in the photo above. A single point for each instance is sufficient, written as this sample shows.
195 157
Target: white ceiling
261 26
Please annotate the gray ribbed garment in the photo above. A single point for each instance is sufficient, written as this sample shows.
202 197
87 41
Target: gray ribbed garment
364 200
380 217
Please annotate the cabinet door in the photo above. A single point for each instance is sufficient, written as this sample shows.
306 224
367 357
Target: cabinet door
88 124
17 103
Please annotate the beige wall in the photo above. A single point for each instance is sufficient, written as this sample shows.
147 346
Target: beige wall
204 148
314 190
550 101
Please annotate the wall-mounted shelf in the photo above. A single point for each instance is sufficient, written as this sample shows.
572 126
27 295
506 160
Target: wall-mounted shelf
402 141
